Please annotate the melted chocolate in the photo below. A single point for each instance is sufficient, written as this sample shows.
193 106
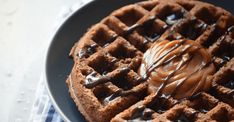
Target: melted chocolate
215 34
229 84
224 60
153 66
194 32
127 92
111 97
93 80
195 96
152 37
226 54
173 36
131 29
142 113
181 83
85 52
202 110
183 62
180 65
173 18
145 41
177 55
183 118
125 70
135 26
147 114
161 104
231 29
139 111
150 20
116 94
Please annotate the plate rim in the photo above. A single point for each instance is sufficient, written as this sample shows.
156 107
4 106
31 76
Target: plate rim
45 74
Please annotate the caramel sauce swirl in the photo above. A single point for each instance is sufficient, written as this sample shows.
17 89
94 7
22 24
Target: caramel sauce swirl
178 68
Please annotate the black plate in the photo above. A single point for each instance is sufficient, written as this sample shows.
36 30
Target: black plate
58 65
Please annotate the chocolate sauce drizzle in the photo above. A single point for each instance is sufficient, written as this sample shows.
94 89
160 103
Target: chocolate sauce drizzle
84 53
229 84
136 26
228 32
153 66
158 93
113 37
226 55
142 113
180 65
170 20
119 93
173 18
160 89
90 49
181 83
93 80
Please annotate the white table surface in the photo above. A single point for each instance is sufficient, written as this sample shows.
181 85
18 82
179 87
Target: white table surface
26 29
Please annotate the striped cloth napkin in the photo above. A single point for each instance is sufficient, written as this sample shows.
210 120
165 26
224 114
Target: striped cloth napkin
43 110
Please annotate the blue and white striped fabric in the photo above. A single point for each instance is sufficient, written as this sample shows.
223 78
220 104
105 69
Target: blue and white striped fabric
52 115
43 110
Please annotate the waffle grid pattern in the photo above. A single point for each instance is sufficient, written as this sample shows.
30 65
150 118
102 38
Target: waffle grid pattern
119 41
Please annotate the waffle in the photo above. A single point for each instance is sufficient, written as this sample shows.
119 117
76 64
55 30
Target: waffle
104 82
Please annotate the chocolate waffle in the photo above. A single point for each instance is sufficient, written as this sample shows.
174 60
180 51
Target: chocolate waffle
105 83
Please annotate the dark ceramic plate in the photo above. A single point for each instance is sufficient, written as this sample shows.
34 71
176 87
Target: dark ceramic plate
58 65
